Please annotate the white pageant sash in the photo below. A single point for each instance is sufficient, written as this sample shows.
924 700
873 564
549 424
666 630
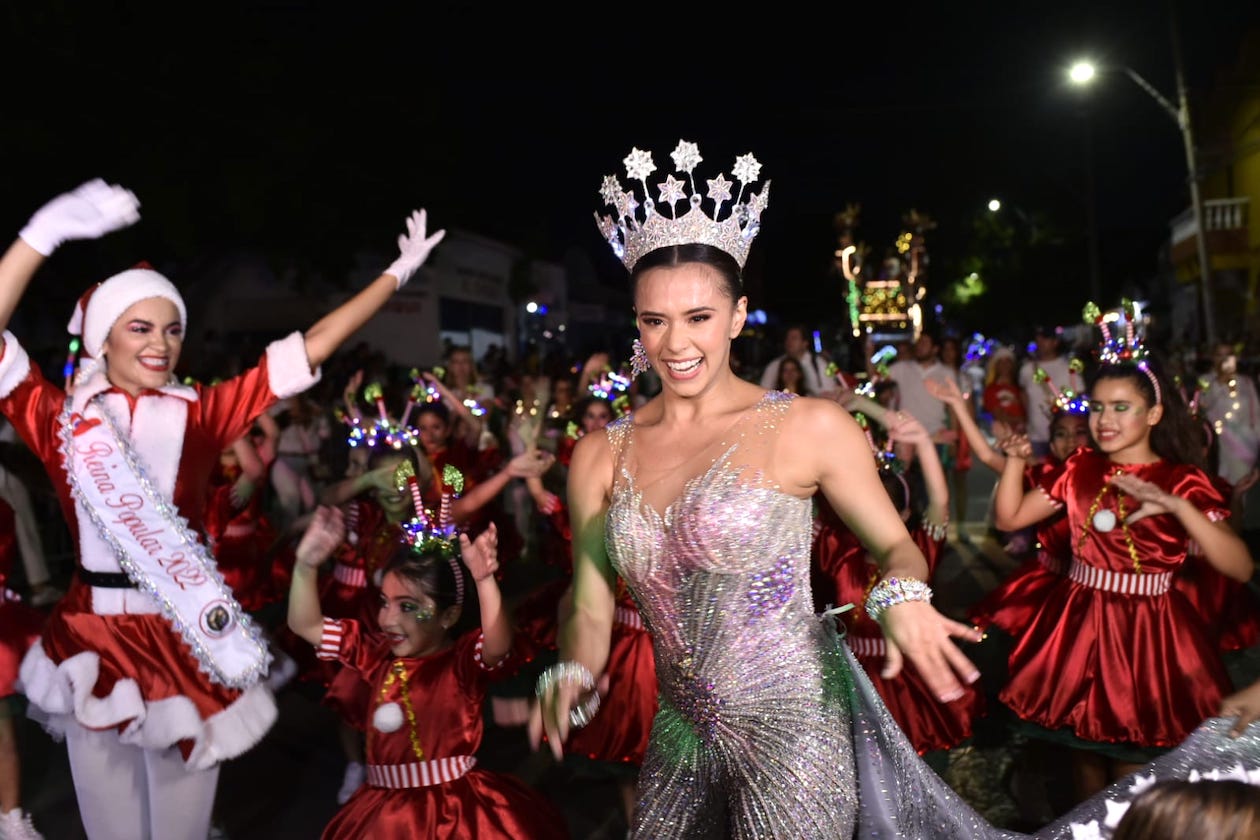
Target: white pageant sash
158 551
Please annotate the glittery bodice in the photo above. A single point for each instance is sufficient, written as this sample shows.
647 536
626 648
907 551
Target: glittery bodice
748 678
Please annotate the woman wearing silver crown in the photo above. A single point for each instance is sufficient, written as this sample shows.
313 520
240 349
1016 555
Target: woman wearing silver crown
148 666
700 501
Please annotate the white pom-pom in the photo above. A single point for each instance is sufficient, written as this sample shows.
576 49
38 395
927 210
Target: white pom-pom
388 717
1104 521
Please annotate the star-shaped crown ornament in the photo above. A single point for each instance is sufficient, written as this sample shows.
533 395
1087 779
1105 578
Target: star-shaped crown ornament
632 235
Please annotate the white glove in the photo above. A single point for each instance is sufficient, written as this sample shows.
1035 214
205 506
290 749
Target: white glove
415 247
91 211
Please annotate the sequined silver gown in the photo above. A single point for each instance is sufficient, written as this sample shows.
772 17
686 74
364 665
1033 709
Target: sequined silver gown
767 728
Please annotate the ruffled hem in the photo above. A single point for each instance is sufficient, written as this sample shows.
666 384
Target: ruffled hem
62 693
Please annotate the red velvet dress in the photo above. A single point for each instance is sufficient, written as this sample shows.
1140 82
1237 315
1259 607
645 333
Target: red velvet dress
847 577
20 624
1106 665
241 540
1011 605
436 743
108 657
1230 608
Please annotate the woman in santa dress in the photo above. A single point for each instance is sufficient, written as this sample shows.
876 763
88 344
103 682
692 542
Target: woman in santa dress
149 650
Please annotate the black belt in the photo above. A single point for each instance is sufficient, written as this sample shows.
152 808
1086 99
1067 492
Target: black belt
106 580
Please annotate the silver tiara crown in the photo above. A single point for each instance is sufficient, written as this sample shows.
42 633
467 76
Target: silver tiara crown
632 237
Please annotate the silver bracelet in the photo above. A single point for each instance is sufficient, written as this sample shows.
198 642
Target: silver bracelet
892 591
570 671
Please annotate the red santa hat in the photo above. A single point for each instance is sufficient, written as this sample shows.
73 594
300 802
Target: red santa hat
103 304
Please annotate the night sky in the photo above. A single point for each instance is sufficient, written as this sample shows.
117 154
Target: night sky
311 129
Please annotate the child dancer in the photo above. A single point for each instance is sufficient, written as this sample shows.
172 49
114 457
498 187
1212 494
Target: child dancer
427 688
1095 666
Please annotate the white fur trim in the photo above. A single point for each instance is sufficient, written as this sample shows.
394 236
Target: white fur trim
288 368
61 695
115 296
14 367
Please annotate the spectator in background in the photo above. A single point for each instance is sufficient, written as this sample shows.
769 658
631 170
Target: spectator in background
910 372
796 346
1047 355
1229 402
792 378
1003 399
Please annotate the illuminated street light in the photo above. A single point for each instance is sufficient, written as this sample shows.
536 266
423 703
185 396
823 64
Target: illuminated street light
1083 72
531 307
994 205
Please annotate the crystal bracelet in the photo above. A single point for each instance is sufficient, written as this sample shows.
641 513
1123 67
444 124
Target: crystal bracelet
570 671
892 591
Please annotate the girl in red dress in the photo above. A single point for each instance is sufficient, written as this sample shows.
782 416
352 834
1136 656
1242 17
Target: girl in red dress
1103 665
844 573
427 688
148 666
20 626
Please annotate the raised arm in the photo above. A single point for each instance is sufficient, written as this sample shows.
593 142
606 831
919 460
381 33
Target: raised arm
328 333
325 532
586 632
89 212
522 466
947 392
905 429
482 559
1013 506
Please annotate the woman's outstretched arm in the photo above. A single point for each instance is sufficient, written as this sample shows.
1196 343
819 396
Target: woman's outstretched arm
328 333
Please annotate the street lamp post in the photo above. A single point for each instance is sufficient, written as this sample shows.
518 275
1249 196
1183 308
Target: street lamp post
1084 72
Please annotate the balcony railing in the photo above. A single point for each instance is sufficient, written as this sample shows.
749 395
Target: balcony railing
1218 214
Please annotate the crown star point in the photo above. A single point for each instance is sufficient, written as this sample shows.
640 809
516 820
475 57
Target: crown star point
671 190
746 168
639 164
686 156
720 188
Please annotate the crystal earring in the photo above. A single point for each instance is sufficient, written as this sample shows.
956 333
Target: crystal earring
639 359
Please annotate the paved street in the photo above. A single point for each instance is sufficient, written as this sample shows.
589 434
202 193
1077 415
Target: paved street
286 786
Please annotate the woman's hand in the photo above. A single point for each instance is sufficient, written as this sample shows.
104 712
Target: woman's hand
914 630
326 531
1244 705
549 715
89 212
414 247
481 556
